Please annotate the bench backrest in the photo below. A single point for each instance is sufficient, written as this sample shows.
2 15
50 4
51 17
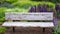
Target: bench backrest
28 16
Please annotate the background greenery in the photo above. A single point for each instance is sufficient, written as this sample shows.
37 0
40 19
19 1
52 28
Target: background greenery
18 6
23 6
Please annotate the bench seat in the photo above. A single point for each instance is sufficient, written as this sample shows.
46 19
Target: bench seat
28 24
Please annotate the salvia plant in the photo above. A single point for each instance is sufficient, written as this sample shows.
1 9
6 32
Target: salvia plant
41 8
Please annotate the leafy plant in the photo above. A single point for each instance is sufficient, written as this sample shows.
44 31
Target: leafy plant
2 29
11 1
2 13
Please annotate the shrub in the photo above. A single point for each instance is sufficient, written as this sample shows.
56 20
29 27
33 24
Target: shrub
2 13
29 3
2 29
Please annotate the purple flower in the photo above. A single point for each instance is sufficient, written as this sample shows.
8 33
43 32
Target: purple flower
32 9
55 21
41 9
57 7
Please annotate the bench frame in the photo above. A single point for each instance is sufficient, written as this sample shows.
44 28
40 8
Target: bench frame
7 14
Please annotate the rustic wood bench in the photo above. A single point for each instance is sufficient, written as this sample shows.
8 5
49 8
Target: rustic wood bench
47 17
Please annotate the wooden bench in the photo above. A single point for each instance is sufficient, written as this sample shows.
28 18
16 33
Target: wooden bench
47 17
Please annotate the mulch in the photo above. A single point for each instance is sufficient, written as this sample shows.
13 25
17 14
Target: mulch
26 31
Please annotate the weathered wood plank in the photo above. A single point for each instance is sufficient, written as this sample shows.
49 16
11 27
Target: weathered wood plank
28 24
29 16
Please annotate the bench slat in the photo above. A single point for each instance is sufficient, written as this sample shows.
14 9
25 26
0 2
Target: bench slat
29 16
28 24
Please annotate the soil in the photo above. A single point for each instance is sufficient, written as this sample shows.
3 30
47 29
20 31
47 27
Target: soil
26 31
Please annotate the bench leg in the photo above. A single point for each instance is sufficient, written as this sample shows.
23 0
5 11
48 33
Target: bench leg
43 29
13 29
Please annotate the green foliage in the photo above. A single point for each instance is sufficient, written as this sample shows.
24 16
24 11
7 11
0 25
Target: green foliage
58 13
54 1
29 3
17 10
2 15
11 1
2 10
2 29
1 1
20 6
55 33
58 30
2 19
